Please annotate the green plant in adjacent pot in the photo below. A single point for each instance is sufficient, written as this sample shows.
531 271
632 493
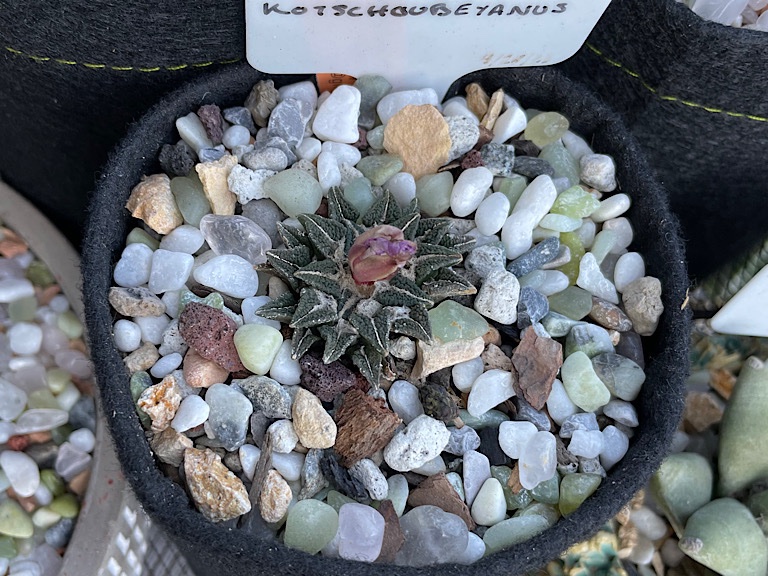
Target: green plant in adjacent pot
369 356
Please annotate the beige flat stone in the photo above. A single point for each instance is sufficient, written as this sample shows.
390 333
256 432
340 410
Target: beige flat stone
420 136
313 425
202 373
433 357
477 99
215 490
275 497
213 176
151 200
142 358
169 446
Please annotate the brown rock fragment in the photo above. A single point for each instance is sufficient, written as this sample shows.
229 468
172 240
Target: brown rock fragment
393 534
642 301
609 315
275 497
495 359
513 482
215 490
160 402
325 380
420 136
477 99
722 381
472 159
494 109
437 491
536 361
200 372
433 357
169 446
213 122
142 358
213 176
492 336
260 102
11 244
79 484
365 425
211 334
313 425
133 302
151 200
702 410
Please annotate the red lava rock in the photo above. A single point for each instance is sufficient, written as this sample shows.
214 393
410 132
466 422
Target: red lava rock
18 443
210 116
211 333
363 425
393 534
536 361
437 491
472 159
325 380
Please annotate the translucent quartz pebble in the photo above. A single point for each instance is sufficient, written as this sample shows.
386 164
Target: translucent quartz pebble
533 205
14 400
284 368
372 89
576 145
404 400
622 412
403 187
476 470
250 307
336 117
229 415
433 192
169 270
152 328
14 522
134 266
562 162
546 128
432 536
615 446
378 169
392 103
584 388
489 507
586 234
559 404
513 531
451 321
455 481
592 280
229 274
629 267
560 223
361 532
310 526
22 472
510 123
492 213
588 338
193 132
469 190
236 235
586 443
41 420
190 198
7 429
71 461
575 202
623 230
721 11
289 465
309 149
465 373
236 136
489 390
358 192
514 435
611 207
74 362
184 238
192 412
603 244
575 488
475 549
83 439
398 492
622 376
328 173
538 462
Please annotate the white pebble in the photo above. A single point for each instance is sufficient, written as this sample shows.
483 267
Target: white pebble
642 552
22 472
397 492
393 102
648 523
469 190
284 368
184 238
7 429
127 335
592 280
12 289
171 299
165 365
514 436
538 462
371 476
431 467
576 145
420 441
534 203
489 507
476 469
465 373
248 184
83 439
559 405
344 153
250 307
236 136
152 328
336 117
615 446
629 267
284 437
611 207
328 173
474 551
289 465
489 390
169 271
43 495
457 106
193 132
309 149
587 232
40 420
403 188
404 400
68 397
621 411
14 400
586 443
59 304
134 266
25 338
510 123
71 461
492 213
230 275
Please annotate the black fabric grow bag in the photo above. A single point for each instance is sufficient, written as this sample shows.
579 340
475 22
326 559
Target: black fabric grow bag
214 549
695 94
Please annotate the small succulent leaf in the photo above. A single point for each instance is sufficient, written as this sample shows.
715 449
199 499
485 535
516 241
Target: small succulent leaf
303 339
337 339
291 236
368 361
409 224
373 329
323 275
281 308
383 211
461 244
415 324
314 308
327 236
448 284
338 207
286 261
432 230
400 291
430 258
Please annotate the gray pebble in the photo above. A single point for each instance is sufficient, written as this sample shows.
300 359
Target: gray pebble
485 259
83 414
499 159
312 478
371 477
288 120
461 440
274 142
266 159
267 395
177 159
58 535
267 214
240 116
533 167
372 89
211 154
528 413
580 421
531 307
544 252
598 171
591 466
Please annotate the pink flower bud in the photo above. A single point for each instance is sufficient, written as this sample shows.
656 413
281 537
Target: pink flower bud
378 253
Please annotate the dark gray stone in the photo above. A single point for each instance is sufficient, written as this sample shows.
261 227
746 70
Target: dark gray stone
528 413
177 159
532 167
531 307
545 251
240 116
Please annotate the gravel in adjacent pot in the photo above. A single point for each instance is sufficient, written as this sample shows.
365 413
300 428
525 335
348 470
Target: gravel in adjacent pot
411 342
748 14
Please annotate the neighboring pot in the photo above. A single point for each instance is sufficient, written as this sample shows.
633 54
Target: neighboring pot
217 549
693 92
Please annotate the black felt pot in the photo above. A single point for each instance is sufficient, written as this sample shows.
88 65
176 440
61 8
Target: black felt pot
694 94
220 550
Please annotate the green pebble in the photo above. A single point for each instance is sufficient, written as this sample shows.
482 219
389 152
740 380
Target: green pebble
581 383
23 309
573 302
14 521
336 500
492 418
7 547
397 492
139 382
42 398
455 479
758 504
52 481
358 193
564 164
603 244
433 192
70 324
560 223
571 268
4 482
66 505
257 345
682 484
375 138
294 191
45 518
39 274
190 198
575 488
514 501
451 321
546 128
513 188
60 434
513 531
547 492
548 511
310 526
575 202
57 380
214 300
140 236
556 324
378 169
622 376
724 536
588 338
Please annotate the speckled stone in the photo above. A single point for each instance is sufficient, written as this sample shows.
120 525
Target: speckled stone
160 402
313 425
267 396
216 492
325 380
642 302
137 301
211 333
152 201
275 497
169 446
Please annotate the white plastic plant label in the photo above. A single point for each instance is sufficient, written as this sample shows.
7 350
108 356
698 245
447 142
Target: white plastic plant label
412 43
